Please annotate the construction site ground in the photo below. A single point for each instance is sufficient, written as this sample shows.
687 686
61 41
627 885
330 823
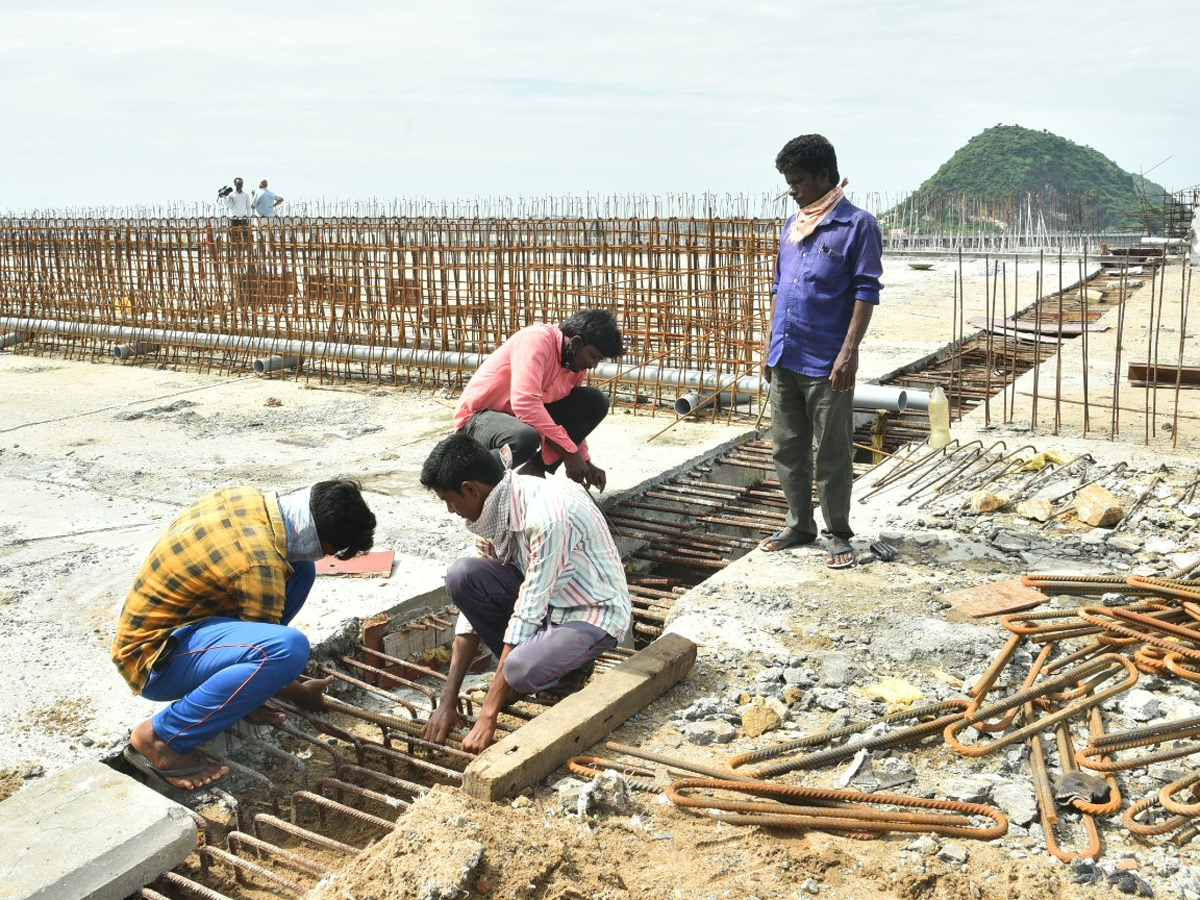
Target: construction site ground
96 458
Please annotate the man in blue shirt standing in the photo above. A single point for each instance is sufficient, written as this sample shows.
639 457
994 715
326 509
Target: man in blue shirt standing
826 287
265 201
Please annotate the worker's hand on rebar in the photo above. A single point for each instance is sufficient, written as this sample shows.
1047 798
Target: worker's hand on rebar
310 694
595 477
443 721
576 467
480 737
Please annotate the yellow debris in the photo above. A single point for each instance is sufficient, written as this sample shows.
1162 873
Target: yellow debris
895 691
1048 456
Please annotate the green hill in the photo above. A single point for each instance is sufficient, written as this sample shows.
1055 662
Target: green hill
1073 186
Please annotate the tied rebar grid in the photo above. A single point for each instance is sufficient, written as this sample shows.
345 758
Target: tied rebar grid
311 792
997 222
690 294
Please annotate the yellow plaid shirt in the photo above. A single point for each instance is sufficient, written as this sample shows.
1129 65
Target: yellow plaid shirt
226 555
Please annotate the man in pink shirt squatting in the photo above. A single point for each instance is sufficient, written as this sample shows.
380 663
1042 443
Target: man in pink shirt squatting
529 396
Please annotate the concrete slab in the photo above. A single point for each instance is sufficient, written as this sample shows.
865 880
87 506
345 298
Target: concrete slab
89 832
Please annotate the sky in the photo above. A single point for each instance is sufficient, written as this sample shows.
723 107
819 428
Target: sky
128 102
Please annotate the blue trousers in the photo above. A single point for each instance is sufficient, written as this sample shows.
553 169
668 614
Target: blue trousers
223 669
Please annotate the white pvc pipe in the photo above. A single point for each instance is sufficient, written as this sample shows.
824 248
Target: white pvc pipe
9 340
866 396
275 363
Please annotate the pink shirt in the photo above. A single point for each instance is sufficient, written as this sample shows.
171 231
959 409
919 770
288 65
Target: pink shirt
519 379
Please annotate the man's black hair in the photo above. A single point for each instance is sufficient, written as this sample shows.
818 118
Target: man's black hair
460 458
342 517
810 153
598 328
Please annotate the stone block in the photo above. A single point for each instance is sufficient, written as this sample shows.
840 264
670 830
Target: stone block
1098 507
1038 509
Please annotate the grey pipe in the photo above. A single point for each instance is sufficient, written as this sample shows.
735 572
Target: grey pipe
688 402
9 340
127 351
275 363
873 396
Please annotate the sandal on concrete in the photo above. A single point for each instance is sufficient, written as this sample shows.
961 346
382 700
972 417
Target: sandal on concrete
156 775
786 540
839 554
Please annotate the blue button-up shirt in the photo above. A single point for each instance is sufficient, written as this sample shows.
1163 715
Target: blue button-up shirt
817 283
264 203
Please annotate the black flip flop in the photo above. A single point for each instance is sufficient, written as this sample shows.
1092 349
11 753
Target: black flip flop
136 759
839 554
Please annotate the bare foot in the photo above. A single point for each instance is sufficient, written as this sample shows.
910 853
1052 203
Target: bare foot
163 758
265 715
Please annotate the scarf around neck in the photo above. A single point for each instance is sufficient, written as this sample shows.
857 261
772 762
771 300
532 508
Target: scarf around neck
303 543
495 519
809 217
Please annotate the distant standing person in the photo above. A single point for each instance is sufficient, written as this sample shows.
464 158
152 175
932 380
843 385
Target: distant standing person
826 287
237 205
265 201
529 396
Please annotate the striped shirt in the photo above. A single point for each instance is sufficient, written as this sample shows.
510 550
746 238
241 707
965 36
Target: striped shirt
572 568
226 555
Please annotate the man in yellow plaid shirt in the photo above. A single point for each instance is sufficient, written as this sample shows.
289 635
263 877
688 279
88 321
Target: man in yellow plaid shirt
206 622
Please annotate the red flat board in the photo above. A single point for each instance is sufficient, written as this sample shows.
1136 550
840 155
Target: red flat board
375 563
995 599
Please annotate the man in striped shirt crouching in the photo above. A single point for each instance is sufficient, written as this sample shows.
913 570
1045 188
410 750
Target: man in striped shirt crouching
548 597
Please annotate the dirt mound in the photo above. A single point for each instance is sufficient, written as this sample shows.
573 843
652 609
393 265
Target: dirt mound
450 846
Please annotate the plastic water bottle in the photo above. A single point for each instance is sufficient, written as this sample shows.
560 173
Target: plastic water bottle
939 418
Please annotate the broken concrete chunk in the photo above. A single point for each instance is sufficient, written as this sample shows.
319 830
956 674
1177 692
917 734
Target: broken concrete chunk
1161 546
1098 507
837 669
1016 798
985 501
1037 509
1123 544
1139 705
953 853
714 731
968 789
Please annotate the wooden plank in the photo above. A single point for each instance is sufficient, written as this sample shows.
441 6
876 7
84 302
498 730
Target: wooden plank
572 725
995 599
1143 373
1047 326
